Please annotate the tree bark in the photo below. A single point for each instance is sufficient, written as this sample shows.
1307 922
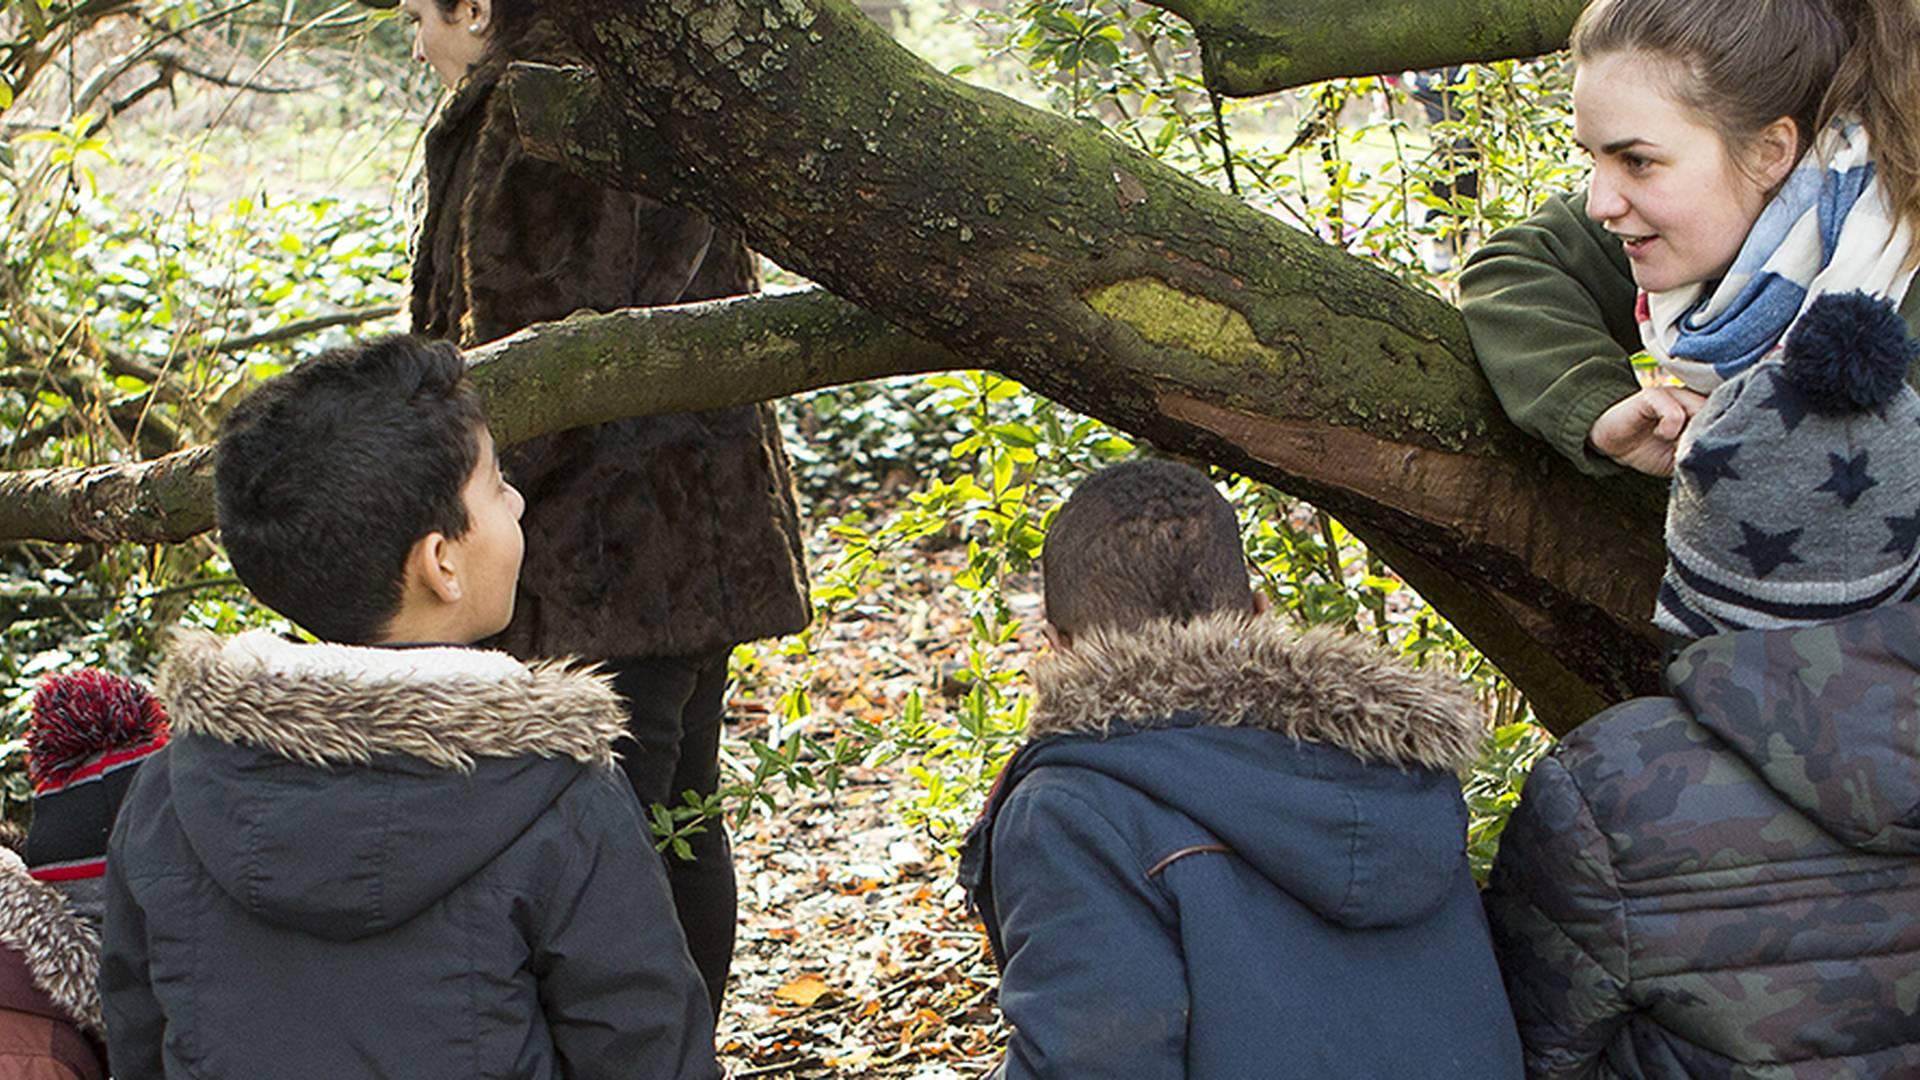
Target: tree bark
1035 247
585 370
1250 47
1107 281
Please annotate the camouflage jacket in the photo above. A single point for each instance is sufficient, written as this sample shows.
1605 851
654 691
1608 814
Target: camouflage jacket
1726 882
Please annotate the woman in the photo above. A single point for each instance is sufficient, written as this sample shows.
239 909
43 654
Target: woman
1698 114
653 545
1725 881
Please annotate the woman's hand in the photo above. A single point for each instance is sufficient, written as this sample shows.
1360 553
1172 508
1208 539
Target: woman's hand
1643 431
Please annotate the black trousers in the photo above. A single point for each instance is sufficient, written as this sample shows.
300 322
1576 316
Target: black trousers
675 706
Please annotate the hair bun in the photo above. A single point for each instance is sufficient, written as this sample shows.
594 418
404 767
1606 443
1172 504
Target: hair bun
1849 352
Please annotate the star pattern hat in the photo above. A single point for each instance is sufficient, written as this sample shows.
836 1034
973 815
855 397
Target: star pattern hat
1796 494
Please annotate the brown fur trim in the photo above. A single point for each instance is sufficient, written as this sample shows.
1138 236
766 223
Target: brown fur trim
61 950
1237 670
329 704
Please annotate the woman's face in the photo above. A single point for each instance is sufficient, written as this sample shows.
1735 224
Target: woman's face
1662 182
451 42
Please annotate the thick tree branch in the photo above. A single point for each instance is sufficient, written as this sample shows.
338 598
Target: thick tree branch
164 500
1112 283
593 368
585 370
1250 47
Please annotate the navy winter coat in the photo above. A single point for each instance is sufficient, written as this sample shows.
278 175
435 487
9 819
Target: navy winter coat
1231 852
414 863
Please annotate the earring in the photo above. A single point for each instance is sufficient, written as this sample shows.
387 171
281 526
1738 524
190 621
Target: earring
473 28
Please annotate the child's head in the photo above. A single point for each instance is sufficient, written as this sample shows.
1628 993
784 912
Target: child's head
1756 80
359 496
1796 496
1142 541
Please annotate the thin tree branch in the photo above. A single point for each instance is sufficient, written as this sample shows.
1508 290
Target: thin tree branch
301 328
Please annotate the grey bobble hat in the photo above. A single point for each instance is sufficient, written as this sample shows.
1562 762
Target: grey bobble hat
1796 495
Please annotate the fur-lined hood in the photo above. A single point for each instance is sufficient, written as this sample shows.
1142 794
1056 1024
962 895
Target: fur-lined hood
343 705
1235 670
60 950
1327 766
341 790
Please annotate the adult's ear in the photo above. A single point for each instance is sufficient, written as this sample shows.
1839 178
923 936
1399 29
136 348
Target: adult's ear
1262 603
1773 153
479 15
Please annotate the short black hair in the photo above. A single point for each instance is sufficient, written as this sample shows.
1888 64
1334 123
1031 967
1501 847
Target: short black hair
326 476
1140 541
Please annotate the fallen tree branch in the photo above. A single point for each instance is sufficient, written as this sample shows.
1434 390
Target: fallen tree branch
583 370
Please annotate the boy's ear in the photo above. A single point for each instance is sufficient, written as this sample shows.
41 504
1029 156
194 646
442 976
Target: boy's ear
431 566
1058 638
1262 603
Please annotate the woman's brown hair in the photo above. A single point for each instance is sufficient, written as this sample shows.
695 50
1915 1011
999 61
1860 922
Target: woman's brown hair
1746 63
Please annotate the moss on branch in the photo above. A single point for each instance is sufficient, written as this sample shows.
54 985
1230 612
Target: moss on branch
1251 47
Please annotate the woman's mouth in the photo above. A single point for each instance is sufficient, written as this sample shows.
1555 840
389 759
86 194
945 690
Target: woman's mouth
1636 246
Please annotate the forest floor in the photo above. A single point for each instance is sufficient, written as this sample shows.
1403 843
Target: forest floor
856 956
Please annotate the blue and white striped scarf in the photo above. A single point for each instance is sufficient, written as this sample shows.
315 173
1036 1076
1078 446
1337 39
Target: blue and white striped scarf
1829 229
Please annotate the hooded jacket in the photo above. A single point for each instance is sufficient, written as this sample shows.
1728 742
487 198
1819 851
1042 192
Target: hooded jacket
1229 852
49 1009
390 862
1726 882
657 536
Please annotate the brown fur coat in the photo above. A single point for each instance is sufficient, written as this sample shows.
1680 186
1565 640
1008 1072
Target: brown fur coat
659 536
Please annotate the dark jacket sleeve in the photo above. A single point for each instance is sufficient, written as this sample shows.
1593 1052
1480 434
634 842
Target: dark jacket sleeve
1559 928
1094 984
1549 305
136 1028
621 995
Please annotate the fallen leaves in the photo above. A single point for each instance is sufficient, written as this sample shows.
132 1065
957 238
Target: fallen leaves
806 991
856 956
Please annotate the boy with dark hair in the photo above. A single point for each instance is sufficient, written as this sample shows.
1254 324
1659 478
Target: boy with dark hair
387 853
1228 850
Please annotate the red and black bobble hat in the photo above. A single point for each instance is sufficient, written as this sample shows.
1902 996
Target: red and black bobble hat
89 733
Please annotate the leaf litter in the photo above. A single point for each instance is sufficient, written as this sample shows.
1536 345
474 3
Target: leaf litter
856 956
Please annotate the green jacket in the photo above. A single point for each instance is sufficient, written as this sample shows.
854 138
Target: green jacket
1726 882
1549 305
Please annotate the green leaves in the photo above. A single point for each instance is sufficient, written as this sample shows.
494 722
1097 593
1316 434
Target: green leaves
1068 38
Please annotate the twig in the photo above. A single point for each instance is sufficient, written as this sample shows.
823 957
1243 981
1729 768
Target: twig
303 327
1226 144
809 1058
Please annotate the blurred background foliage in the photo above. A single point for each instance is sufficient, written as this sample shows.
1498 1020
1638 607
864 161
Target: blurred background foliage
195 195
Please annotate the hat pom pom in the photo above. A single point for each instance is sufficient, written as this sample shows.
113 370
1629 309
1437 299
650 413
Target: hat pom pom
1849 352
82 713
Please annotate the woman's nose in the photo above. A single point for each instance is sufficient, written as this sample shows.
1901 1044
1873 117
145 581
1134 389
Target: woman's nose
1604 201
